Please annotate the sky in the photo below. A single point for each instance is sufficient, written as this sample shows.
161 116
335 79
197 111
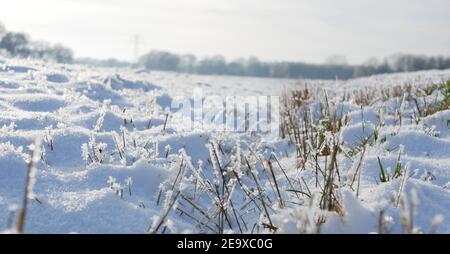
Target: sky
272 30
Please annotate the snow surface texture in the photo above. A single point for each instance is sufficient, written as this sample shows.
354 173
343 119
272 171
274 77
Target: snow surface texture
110 158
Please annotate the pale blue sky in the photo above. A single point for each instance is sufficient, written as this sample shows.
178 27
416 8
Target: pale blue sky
298 30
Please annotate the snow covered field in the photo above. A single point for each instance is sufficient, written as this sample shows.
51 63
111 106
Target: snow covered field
116 158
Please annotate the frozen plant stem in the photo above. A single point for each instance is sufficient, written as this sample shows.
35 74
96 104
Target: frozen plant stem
261 197
402 186
34 159
166 214
165 123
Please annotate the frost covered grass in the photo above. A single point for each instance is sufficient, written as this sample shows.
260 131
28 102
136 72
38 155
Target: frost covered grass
360 156
350 124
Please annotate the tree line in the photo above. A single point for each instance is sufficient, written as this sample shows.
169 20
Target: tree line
402 63
14 44
252 66
217 65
